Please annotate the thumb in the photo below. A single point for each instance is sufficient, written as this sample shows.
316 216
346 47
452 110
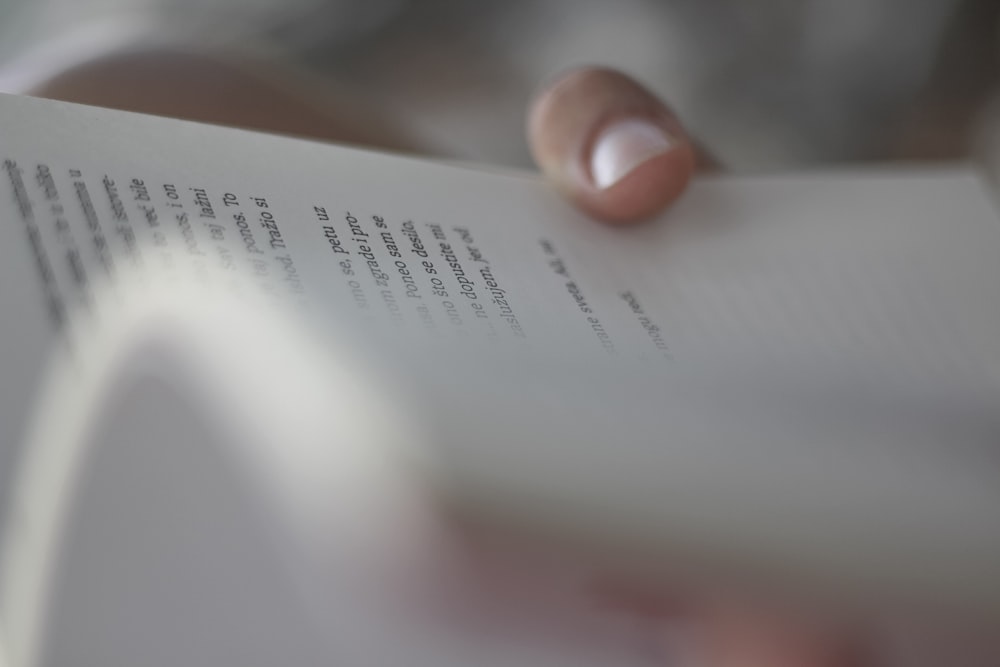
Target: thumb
610 145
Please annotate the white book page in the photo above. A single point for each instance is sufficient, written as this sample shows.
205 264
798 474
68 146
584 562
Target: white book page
844 325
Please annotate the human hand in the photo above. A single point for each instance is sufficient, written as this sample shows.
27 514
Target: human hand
600 138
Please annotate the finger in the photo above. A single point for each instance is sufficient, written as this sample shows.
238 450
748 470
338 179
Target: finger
610 145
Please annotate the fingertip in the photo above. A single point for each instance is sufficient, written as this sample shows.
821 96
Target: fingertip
636 189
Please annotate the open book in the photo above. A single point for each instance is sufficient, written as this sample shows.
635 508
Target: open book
234 368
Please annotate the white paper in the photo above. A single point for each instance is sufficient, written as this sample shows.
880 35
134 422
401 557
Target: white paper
724 374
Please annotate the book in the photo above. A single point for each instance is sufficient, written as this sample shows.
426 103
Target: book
239 372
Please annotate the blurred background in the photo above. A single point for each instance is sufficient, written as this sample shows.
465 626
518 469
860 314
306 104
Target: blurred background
765 84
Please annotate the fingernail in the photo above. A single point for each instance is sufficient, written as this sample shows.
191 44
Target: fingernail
624 146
